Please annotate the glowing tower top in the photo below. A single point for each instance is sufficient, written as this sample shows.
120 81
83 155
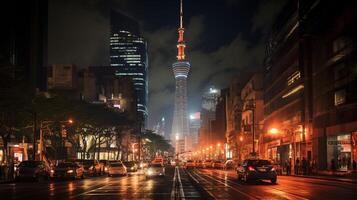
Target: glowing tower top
181 42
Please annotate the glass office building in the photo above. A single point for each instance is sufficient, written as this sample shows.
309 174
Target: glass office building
128 53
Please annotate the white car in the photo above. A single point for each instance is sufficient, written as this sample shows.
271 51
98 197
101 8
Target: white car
116 168
155 169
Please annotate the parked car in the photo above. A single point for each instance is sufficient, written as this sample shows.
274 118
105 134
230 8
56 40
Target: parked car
67 170
190 164
199 164
218 164
155 169
91 167
230 164
207 164
33 170
131 166
256 169
116 168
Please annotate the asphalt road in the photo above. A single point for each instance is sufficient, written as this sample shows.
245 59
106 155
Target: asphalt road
224 185
180 184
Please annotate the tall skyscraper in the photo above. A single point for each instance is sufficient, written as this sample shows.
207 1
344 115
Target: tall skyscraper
128 54
181 68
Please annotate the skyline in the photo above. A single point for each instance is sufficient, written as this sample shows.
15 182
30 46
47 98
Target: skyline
89 20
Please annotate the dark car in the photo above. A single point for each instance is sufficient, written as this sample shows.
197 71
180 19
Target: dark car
33 170
67 170
131 166
256 169
91 167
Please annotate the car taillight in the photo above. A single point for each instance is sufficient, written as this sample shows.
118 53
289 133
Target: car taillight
250 168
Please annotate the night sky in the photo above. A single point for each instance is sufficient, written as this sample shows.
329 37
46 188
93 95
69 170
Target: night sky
223 37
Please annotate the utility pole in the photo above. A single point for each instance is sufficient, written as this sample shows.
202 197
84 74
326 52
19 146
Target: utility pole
34 135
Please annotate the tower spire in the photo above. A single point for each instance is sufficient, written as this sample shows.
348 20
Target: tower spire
181 42
181 15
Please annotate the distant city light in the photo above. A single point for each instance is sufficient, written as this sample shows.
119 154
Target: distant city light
163 119
213 91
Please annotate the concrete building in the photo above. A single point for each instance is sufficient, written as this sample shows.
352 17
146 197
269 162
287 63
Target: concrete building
252 116
62 76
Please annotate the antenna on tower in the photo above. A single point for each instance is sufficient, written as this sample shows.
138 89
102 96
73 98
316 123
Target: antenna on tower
181 15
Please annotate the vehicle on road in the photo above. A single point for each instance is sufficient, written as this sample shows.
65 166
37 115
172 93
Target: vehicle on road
64 170
33 170
131 166
256 169
116 168
190 164
91 167
218 164
230 164
155 169
207 164
199 164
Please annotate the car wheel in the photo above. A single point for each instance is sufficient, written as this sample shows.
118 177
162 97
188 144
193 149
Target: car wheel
273 181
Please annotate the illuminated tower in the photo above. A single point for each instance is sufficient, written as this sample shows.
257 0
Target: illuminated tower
181 68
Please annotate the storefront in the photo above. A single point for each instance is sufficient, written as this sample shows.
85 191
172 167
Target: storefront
341 150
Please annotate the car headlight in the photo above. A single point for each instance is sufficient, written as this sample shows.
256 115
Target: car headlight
105 168
70 171
150 172
132 168
52 171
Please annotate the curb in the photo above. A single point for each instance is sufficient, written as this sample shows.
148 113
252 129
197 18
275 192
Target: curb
327 178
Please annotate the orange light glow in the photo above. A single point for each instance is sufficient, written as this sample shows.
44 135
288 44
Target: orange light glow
274 131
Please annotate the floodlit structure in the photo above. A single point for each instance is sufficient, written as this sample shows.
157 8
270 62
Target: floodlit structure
181 68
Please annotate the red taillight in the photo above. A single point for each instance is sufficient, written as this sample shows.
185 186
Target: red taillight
250 168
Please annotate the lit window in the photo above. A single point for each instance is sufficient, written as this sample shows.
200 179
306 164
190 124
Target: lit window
340 97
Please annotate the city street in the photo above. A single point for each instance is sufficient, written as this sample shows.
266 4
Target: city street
217 184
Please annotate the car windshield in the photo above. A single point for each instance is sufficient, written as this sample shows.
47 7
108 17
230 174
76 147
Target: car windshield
129 164
156 165
64 165
88 162
30 163
116 164
259 163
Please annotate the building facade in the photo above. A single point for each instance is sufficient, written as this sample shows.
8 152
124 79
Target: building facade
129 56
181 68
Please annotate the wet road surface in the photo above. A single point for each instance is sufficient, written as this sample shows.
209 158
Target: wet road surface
180 184
224 185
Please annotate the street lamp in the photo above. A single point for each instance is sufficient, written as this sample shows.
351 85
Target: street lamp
274 131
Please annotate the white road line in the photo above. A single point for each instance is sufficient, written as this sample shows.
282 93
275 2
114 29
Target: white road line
173 185
182 194
233 188
197 181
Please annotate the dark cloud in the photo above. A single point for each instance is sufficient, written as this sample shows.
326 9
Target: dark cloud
79 34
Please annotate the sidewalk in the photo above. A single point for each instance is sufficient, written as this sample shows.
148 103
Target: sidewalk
347 178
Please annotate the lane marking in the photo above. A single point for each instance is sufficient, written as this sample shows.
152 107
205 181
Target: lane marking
233 188
182 194
209 192
173 190
274 188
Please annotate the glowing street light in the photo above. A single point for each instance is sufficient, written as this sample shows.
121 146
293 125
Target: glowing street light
241 138
274 131
70 121
219 144
210 147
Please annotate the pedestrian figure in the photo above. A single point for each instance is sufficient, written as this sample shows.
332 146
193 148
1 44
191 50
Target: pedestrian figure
288 167
303 165
333 166
297 164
